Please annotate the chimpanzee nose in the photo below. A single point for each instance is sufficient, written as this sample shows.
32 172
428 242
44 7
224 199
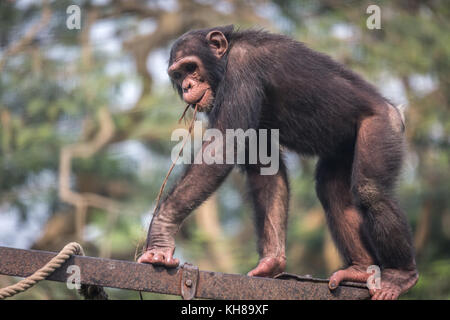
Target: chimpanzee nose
187 84
186 87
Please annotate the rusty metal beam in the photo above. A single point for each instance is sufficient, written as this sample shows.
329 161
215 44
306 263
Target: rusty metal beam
187 281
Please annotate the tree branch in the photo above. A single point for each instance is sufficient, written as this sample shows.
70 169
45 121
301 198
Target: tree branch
20 45
84 150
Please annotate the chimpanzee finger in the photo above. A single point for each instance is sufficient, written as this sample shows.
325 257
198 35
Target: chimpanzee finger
158 259
146 257
335 279
373 291
172 262
390 296
376 296
382 295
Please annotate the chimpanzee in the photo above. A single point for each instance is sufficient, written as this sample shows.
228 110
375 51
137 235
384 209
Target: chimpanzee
253 79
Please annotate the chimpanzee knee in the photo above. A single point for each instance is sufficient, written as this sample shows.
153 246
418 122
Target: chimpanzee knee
366 193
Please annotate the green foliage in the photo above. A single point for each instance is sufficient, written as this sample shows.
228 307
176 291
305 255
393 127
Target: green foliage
433 282
52 90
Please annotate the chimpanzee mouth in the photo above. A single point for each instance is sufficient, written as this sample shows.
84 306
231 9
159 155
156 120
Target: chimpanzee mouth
200 100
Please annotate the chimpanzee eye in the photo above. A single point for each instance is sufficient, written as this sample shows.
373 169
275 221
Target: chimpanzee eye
176 75
190 67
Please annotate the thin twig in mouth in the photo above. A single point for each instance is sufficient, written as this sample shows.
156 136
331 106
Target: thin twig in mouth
161 190
193 105
204 92
184 113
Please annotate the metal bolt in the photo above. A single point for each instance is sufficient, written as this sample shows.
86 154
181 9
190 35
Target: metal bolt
188 283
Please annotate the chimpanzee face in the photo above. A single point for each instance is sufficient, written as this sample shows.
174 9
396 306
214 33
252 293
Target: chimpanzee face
189 73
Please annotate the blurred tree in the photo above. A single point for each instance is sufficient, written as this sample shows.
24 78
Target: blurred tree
85 124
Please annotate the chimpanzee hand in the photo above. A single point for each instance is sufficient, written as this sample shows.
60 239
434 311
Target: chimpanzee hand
161 239
160 256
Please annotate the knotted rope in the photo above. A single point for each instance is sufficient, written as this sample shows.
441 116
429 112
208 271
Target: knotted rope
73 248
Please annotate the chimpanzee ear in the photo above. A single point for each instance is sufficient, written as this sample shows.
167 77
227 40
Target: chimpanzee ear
217 42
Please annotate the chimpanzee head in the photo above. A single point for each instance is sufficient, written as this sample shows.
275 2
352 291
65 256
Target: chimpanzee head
197 64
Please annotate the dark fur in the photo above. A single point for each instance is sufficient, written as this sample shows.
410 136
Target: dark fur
271 81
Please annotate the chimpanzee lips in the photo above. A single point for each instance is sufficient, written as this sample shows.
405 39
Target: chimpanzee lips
200 99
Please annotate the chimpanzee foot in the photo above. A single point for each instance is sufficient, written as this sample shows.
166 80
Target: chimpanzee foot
356 273
159 256
268 267
394 282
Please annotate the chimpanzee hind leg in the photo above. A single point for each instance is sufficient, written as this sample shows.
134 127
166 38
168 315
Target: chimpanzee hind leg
378 155
270 195
333 181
